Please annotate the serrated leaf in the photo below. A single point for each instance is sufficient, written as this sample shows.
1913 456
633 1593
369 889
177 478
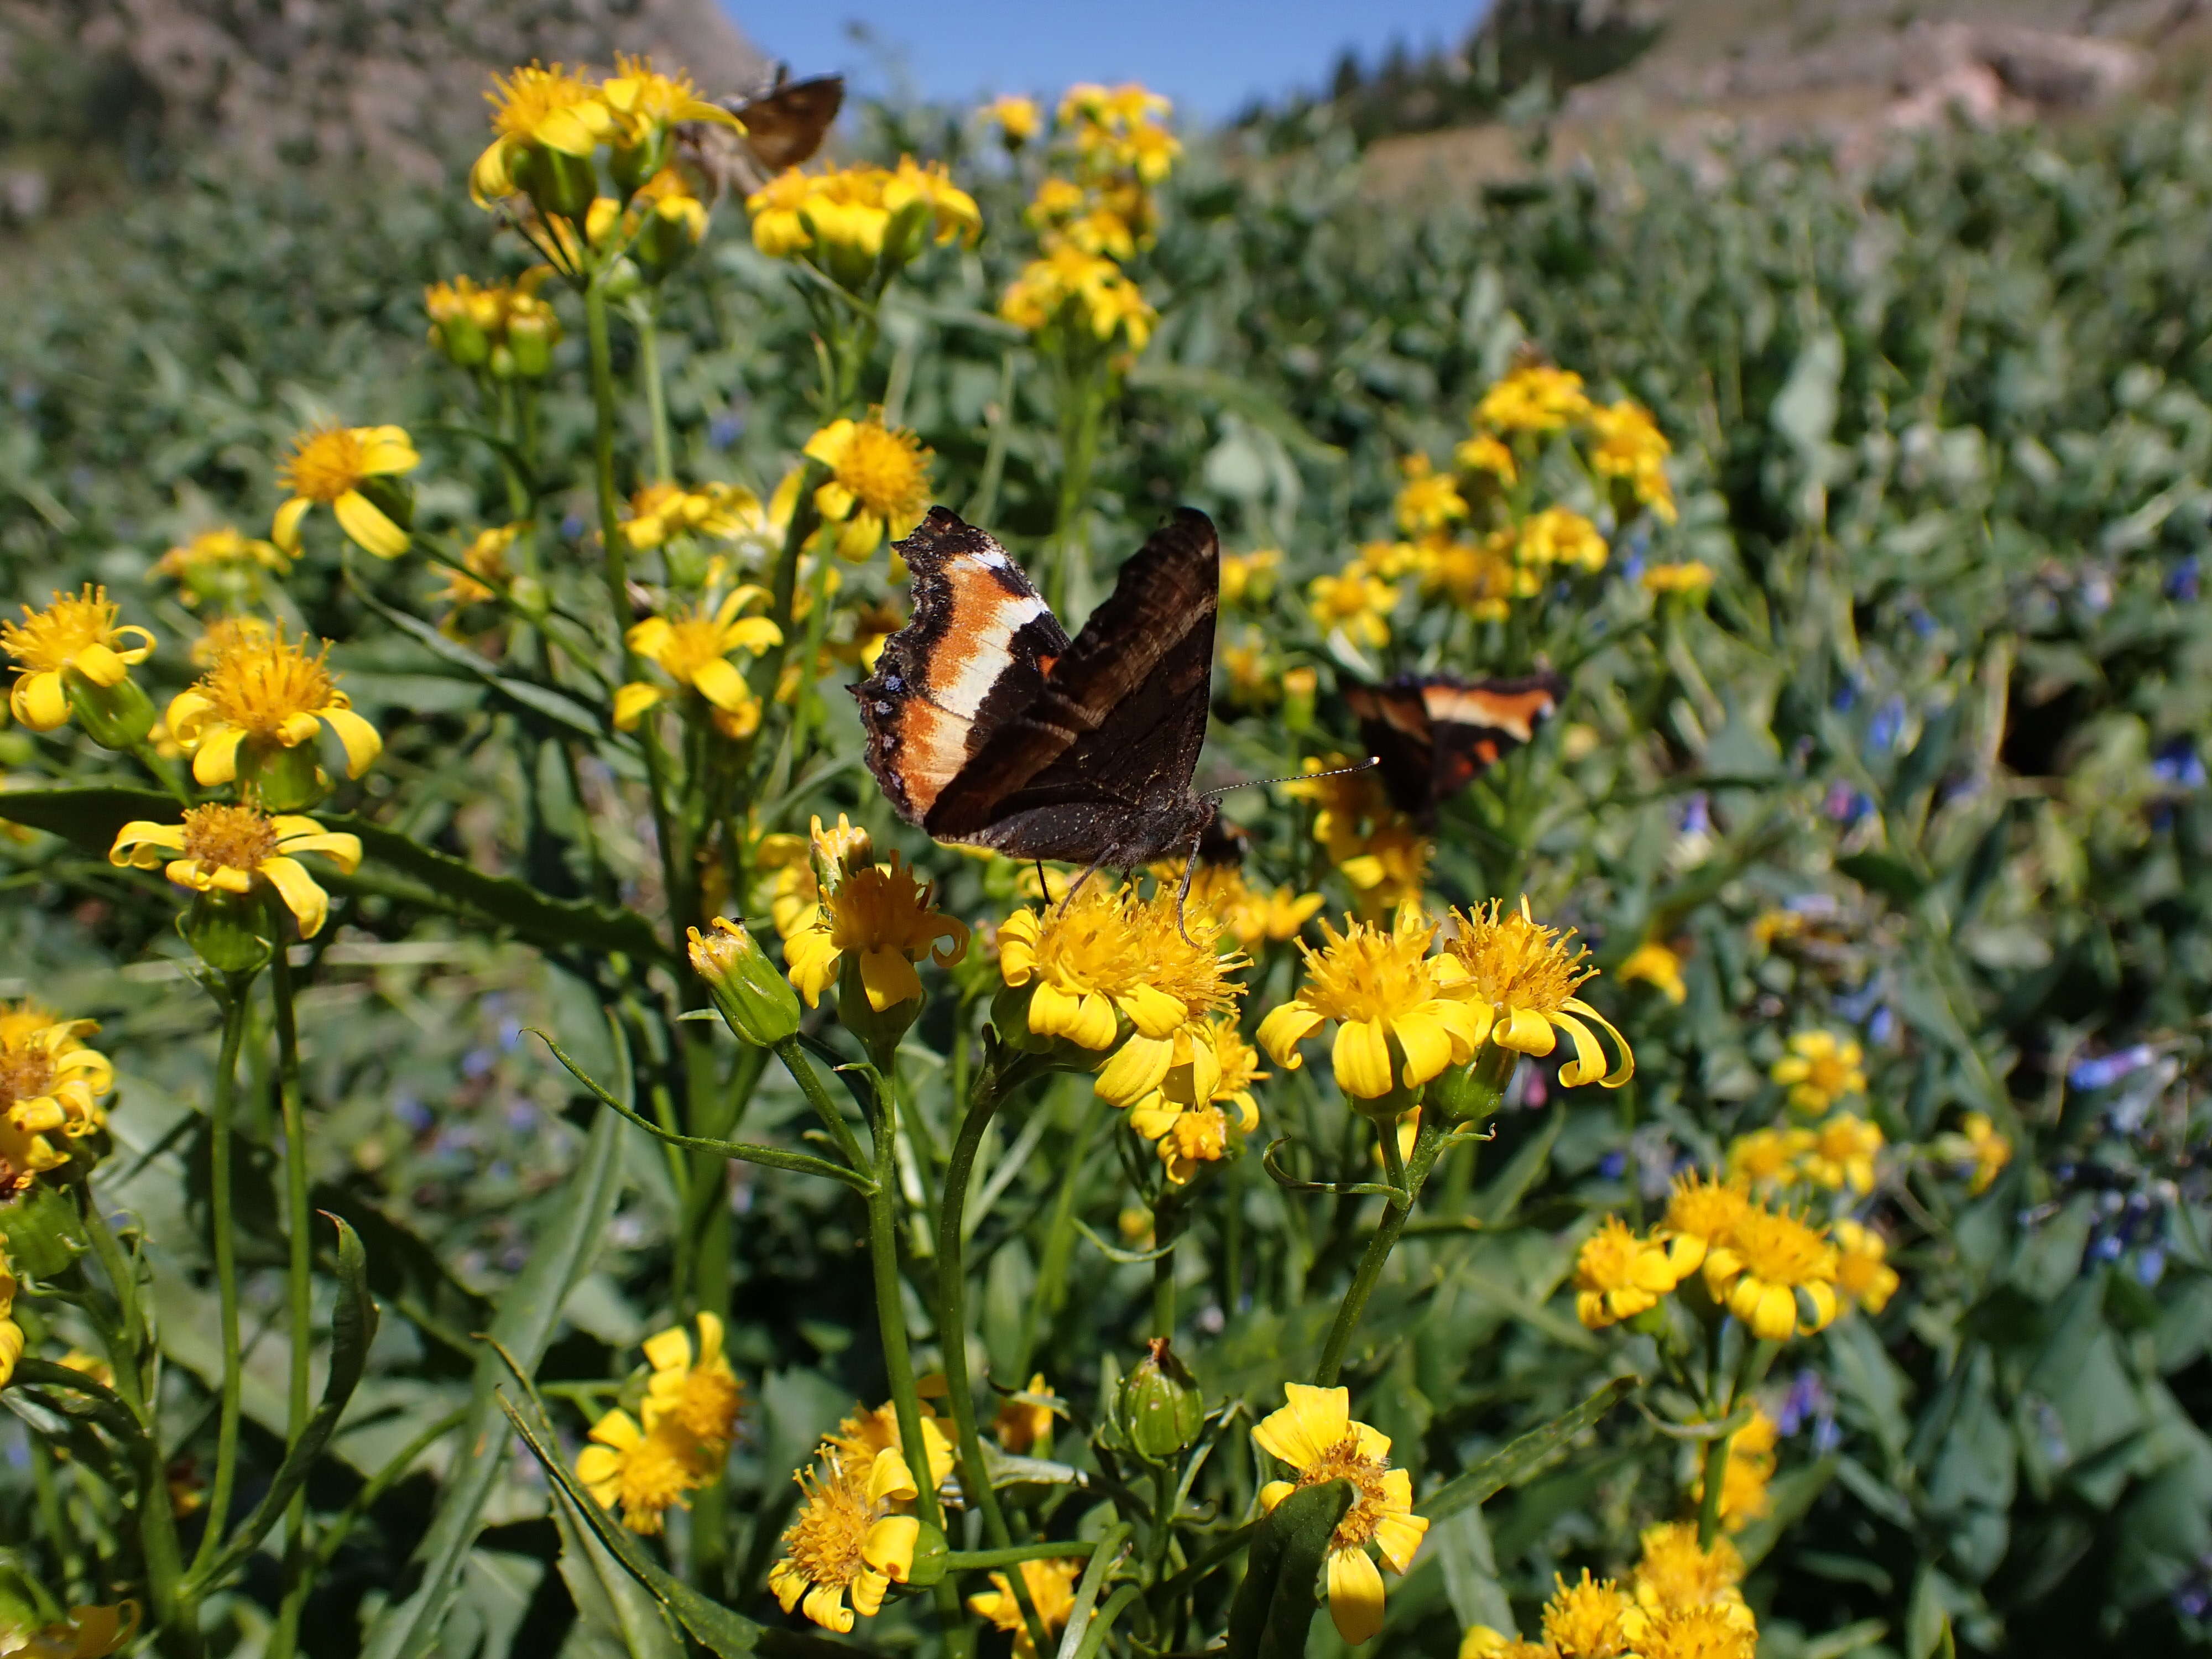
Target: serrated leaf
1275 1605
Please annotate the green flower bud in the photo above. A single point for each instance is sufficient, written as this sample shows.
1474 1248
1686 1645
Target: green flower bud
117 716
878 1029
282 780
1162 1408
464 344
43 1233
632 164
755 1000
225 930
931 1552
530 338
557 182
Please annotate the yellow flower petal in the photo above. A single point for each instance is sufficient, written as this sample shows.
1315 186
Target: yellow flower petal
1355 1596
366 526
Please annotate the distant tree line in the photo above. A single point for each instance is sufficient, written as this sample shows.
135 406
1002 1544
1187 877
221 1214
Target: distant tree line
1518 47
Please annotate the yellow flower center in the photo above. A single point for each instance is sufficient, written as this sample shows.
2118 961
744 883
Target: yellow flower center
1780 1249
260 680
1189 970
48 639
1704 1208
1345 1461
230 837
1515 962
1706 1632
533 94
887 470
1608 1258
693 641
26 1071
826 1539
1675 1573
883 908
654 1474
707 1407
328 463
1368 975
1088 945
1582 1621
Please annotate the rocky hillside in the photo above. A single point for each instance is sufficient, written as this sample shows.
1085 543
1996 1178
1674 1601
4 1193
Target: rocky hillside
394 82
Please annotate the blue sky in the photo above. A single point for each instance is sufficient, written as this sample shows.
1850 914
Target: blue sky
1210 56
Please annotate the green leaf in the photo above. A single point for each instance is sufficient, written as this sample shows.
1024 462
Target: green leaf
728 1634
87 816
1495 1204
353 1328
1519 1458
1880 872
530 1312
1274 1605
1238 397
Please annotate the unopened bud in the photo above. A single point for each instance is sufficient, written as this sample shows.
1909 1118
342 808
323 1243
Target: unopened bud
282 780
556 183
931 1555
117 716
531 329
225 931
43 1234
1162 1408
755 1002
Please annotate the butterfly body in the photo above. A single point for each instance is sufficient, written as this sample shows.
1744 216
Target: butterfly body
988 725
1436 734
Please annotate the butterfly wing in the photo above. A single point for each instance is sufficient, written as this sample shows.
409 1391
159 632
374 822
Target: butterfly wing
785 125
1394 726
1477 724
1082 751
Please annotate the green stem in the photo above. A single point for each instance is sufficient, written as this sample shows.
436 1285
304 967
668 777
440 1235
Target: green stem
810 1085
656 390
1060 1235
1407 1176
299 1284
999 1079
891 1307
221 1219
614 564
985 1560
1709 1507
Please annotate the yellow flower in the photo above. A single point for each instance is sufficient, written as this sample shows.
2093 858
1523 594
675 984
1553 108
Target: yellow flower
1249 577
950 212
50 1083
1631 447
74 640
700 1399
873 1437
1025 1418
1538 399
1522 979
1481 1642
879 481
1584 1620
1674 1574
1775 1274
226 848
645 103
221 564
483 563
1105 956
1765 1157
1205 1097
1841 1153
536 110
840 221
87 1633
693 649
1356 602
1769 926
1401 1014
1983 1147
1618 1275
1692 578
1820 1069
263 694
1658 967
1863 1273
1717 1631
1051 1585
1429 499
884 916
11 1333
1484 453
92 1366
1745 1476
720 512
1019 119
1252 918
1315 1434
1558 535
223 635
1082 287
1480 577
846 1540
646 1471
341 467
1701 1213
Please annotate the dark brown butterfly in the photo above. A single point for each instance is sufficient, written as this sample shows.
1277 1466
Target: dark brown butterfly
1436 734
785 125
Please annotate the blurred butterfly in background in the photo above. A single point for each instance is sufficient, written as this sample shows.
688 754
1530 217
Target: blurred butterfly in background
785 125
1437 733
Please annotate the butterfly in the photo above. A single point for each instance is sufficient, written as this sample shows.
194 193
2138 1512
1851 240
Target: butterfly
987 725
1436 734
785 125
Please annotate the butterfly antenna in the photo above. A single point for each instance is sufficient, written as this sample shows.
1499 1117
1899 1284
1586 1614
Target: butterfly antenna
1295 777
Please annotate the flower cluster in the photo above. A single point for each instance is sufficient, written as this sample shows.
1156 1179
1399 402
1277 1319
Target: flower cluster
221 566
1315 1434
859 226
1838 1154
50 1085
1681 1602
855 1534
681 1435
502 328
692 646
1774 1271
